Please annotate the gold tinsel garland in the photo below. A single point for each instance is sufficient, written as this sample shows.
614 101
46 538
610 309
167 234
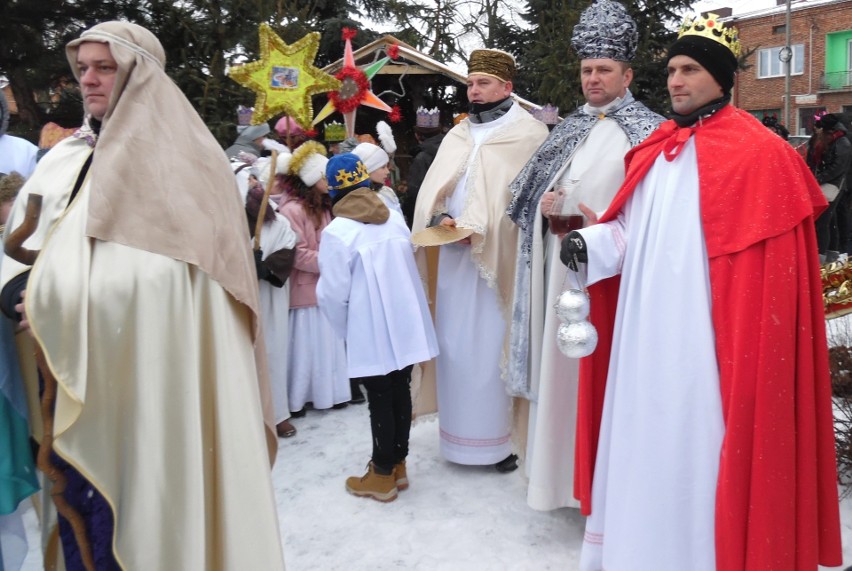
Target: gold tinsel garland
837 288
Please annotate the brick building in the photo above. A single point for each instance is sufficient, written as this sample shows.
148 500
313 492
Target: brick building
821 72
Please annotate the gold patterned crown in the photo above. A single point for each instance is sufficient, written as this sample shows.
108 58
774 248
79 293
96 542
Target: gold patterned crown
712 29
496 63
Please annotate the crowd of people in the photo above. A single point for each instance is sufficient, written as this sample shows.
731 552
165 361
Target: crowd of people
188 304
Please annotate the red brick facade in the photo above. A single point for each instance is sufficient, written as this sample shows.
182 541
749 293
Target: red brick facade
809 27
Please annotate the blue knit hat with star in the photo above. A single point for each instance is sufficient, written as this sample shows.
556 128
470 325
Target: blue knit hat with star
346 172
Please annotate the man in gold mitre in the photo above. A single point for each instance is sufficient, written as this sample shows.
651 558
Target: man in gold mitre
467 187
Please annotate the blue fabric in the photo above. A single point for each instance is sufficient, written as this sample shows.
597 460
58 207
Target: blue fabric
17 471
97 515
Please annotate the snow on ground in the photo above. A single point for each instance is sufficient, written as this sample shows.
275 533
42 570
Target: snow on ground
451 518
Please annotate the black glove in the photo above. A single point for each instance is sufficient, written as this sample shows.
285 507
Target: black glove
260 266
573 250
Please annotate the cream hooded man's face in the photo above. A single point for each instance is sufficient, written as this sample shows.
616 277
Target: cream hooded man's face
97 70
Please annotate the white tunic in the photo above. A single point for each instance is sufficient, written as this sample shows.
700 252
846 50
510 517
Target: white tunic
473 407
650 508
370 291
275 310
598 165
17 155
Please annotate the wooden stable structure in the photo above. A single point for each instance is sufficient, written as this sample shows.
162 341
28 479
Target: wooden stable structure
410 81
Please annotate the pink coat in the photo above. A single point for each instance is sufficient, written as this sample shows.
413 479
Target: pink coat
305 274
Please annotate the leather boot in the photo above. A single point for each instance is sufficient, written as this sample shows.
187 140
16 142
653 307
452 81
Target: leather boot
373 485
401 476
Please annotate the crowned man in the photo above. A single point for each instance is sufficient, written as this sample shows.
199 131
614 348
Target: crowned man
712 445
467 186
582 160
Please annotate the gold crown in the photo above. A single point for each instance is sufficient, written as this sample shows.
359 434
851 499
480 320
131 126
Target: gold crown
711 28
335 132
351 178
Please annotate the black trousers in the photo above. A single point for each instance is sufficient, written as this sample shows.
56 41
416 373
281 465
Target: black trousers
389 398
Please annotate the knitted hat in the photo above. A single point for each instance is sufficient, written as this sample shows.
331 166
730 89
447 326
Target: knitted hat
281 127
344 172
252 132
711 43
262 168
605 31
828 121
713 56
372 156
495 63
308 162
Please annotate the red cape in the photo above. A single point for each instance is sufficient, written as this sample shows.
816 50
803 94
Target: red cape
776 499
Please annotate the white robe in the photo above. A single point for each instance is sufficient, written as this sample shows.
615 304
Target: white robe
473 406
650 510
275 313
370 291
598 163
17 155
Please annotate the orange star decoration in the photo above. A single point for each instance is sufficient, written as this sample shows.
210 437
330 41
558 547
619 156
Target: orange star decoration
284 77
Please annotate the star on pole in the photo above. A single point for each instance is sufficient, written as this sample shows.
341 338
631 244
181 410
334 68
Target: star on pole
355 90
285 77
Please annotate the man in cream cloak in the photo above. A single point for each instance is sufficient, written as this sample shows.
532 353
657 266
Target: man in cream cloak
144 301
582 159
468 186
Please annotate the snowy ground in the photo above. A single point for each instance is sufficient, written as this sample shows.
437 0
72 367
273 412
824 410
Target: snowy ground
452 517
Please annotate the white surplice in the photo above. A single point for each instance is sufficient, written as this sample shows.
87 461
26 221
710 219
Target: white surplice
474 410
275 313
598 163
651 510
371 293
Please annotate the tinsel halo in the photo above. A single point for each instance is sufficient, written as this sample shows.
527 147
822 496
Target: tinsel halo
285 77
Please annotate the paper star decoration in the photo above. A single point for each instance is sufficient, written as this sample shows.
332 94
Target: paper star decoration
285 77
355 89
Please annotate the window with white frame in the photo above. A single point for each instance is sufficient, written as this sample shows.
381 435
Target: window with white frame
769 63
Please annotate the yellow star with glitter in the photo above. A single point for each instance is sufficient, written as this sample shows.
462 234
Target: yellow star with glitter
285 77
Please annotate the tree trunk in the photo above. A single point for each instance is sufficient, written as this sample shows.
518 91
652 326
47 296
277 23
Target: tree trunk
28 111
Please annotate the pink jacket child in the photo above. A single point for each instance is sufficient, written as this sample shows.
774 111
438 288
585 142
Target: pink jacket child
305 274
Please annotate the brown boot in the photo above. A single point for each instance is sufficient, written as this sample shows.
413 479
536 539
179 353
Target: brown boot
285 429
401 476
373 485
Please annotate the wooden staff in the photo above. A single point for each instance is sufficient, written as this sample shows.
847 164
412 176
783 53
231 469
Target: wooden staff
261 213
14 249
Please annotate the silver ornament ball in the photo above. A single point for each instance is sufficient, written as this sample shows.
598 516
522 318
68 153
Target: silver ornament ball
577 339
572 305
